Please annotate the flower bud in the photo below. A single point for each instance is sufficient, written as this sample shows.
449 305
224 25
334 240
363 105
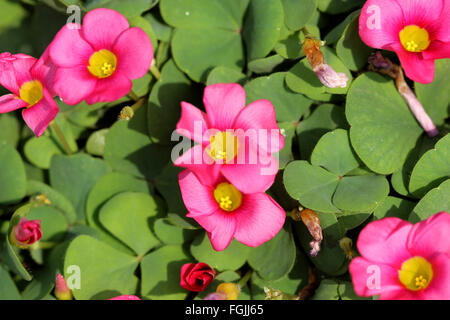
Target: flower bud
196 276
231 290
26 232
62 291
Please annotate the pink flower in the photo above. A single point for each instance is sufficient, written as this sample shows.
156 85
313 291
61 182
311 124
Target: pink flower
234 140
97 61
404 261
125 297
227 212
30 82
417 30
27 232
196 276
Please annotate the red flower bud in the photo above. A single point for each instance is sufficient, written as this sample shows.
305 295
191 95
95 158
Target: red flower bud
196 276
27 232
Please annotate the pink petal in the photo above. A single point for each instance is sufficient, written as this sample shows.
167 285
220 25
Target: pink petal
260 118
416 68
384 241
193 123
371 278
380 23
134 52
110 89
10 102
195 160
198 198
401 294
44 70
69 48
259 219
15 72
39 116
223 102
439 288
437 50
220 227
74 85
420 12
430 236
439 29
251 178
102 26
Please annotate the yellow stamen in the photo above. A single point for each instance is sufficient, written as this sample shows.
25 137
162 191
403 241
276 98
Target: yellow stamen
223 146
416 273
31 92
414 38
102 64
228 197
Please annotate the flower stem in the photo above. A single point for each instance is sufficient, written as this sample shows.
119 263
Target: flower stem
416 107
155 71
133 95
61 137
383 65
245 278
138 104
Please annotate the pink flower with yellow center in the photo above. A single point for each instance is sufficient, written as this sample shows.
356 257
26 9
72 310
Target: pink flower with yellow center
401 261
30 81
227 212
417 30
234 140
97 61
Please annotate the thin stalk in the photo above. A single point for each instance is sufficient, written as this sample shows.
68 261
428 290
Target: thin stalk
61 137
138 104
245 278
133 95
155 71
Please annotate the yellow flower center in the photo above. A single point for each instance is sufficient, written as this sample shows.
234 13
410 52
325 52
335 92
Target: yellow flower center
31 92
416 273
228 197
102 64
223 146
414 38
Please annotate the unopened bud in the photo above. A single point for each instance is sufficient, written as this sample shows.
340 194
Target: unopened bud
231 290
346 245
26 232
62 291
127 113
312 222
